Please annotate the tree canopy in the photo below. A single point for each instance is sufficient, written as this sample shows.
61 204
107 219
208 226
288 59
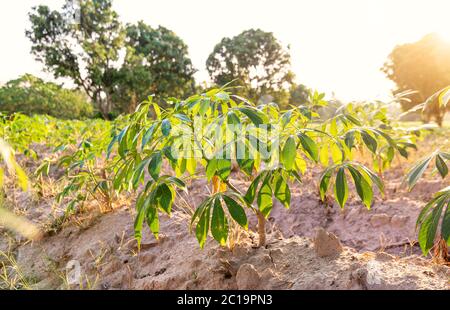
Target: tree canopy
88 52
422 66
156 62
31 95
256 61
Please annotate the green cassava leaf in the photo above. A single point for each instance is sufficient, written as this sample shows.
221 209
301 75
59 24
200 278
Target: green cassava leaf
363 188
154 167
148 135
164 197
153 221
325 182
288 153
236 211
281 191
441 166
202 228
264 198
219 223
416 172
257 117
166 127
428 228
309 146
369 141
341 187
251 191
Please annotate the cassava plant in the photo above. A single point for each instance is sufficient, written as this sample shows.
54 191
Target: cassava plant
206 134
86 175
436 213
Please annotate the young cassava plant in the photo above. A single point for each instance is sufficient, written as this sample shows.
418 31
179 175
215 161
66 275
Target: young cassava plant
207 134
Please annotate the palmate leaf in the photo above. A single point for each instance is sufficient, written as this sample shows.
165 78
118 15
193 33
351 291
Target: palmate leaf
243 158
141 205
257 117
251 191
201 231
363 188
325 182
441 166
139 172
236 211
219 167
430 217
219 223
363 178
166 127
164 197
369 141
148 135
281 190
341 187
289 153
445 231
154 166
153 221
416 172
309 146
323 155
264 198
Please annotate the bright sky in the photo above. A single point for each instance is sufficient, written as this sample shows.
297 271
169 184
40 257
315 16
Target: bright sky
336 45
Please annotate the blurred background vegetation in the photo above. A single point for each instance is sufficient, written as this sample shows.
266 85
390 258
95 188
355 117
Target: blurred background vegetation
113 66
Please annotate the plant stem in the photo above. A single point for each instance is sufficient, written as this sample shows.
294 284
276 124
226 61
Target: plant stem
234 189
260 216
261 229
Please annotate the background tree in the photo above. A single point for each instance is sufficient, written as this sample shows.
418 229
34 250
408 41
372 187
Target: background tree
84 50
298 94
256 61
156 62
422 66
31 95
87 51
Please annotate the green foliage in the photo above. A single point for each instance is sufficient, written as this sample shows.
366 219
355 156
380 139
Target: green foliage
367 124
87 52
298 94
258 64
417 171
31 95
156 62
272 145
435 212
363 178
99 37
22 132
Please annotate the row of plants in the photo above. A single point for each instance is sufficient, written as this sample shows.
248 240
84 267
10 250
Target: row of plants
222 138
292 142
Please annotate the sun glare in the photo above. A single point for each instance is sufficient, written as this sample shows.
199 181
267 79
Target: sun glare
444 34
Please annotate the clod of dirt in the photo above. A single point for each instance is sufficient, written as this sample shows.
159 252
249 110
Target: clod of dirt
384 257
358 279
399 220
247 277
378 220
326 244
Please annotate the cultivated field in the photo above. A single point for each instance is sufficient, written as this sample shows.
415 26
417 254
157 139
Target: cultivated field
110 205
